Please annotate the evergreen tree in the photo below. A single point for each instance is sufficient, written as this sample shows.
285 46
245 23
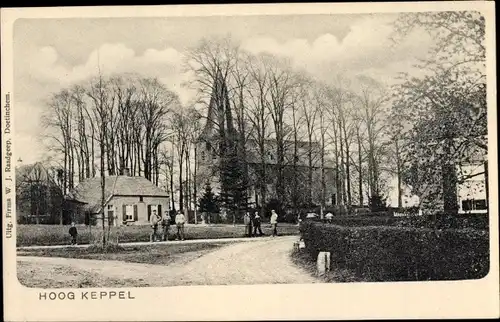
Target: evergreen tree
234 183
208 202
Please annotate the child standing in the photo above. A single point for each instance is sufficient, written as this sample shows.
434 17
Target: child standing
73 232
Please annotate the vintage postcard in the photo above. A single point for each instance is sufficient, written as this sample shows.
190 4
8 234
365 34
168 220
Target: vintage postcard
250 162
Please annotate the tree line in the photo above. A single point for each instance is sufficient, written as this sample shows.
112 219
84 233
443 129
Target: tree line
366 131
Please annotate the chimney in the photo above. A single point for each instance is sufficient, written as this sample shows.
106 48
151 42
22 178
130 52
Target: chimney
125 172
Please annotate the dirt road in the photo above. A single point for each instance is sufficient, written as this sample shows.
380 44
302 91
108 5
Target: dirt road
261 262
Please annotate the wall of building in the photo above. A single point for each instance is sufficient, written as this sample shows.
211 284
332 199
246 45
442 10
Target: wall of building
117 202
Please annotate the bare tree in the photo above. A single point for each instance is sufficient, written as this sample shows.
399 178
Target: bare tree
258 116
99 93
372 99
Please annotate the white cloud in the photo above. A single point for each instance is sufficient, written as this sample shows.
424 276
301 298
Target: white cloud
366 47
45 65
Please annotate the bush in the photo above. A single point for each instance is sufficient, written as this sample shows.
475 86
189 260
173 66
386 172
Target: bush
377 203
378 253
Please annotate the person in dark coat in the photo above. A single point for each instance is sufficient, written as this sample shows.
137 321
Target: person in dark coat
165 223
247 219
256 224
73 232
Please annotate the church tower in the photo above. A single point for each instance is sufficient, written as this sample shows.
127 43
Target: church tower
218 137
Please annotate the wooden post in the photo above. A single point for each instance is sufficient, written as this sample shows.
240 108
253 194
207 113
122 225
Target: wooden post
323 263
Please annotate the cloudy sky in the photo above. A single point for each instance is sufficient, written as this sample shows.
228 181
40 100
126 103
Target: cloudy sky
53 53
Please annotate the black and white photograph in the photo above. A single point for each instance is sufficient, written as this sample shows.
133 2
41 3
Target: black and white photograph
337 148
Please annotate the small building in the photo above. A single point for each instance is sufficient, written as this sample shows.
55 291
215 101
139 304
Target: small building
128 200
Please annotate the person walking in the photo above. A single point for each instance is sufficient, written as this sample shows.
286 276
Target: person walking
274 222
166 225
179 222
73 232
256 225
247 219
154 221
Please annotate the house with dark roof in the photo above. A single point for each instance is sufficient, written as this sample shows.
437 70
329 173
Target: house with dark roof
128 200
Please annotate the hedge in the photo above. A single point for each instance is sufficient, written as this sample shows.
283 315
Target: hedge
445 221
438 221
378 253
364 221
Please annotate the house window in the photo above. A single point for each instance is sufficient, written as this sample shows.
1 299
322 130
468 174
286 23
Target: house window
130 213
270 155
480 204
469 204
141 199
202 155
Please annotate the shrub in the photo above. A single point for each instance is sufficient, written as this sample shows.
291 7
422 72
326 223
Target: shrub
377 253
377 203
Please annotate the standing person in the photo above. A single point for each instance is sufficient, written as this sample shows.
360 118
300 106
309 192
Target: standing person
179 221
166 225
329 217
154 220
274 222
247 220
256 225
73 233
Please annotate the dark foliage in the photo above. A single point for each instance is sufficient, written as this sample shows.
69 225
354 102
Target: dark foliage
401 254
377 203
208 201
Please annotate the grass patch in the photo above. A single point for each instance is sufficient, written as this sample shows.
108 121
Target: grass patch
46 235
303 259
163 254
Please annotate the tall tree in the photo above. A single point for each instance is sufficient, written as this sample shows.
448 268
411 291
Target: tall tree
449 128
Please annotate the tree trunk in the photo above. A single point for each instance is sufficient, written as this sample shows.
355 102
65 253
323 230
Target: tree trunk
342 165
449 181
172 182
103 196
93 154
347 168
310 173
360 164
195 184
181 191
398 169
486 181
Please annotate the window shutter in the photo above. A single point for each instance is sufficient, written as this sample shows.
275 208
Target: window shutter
124 212
136 216
159 211
149 212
